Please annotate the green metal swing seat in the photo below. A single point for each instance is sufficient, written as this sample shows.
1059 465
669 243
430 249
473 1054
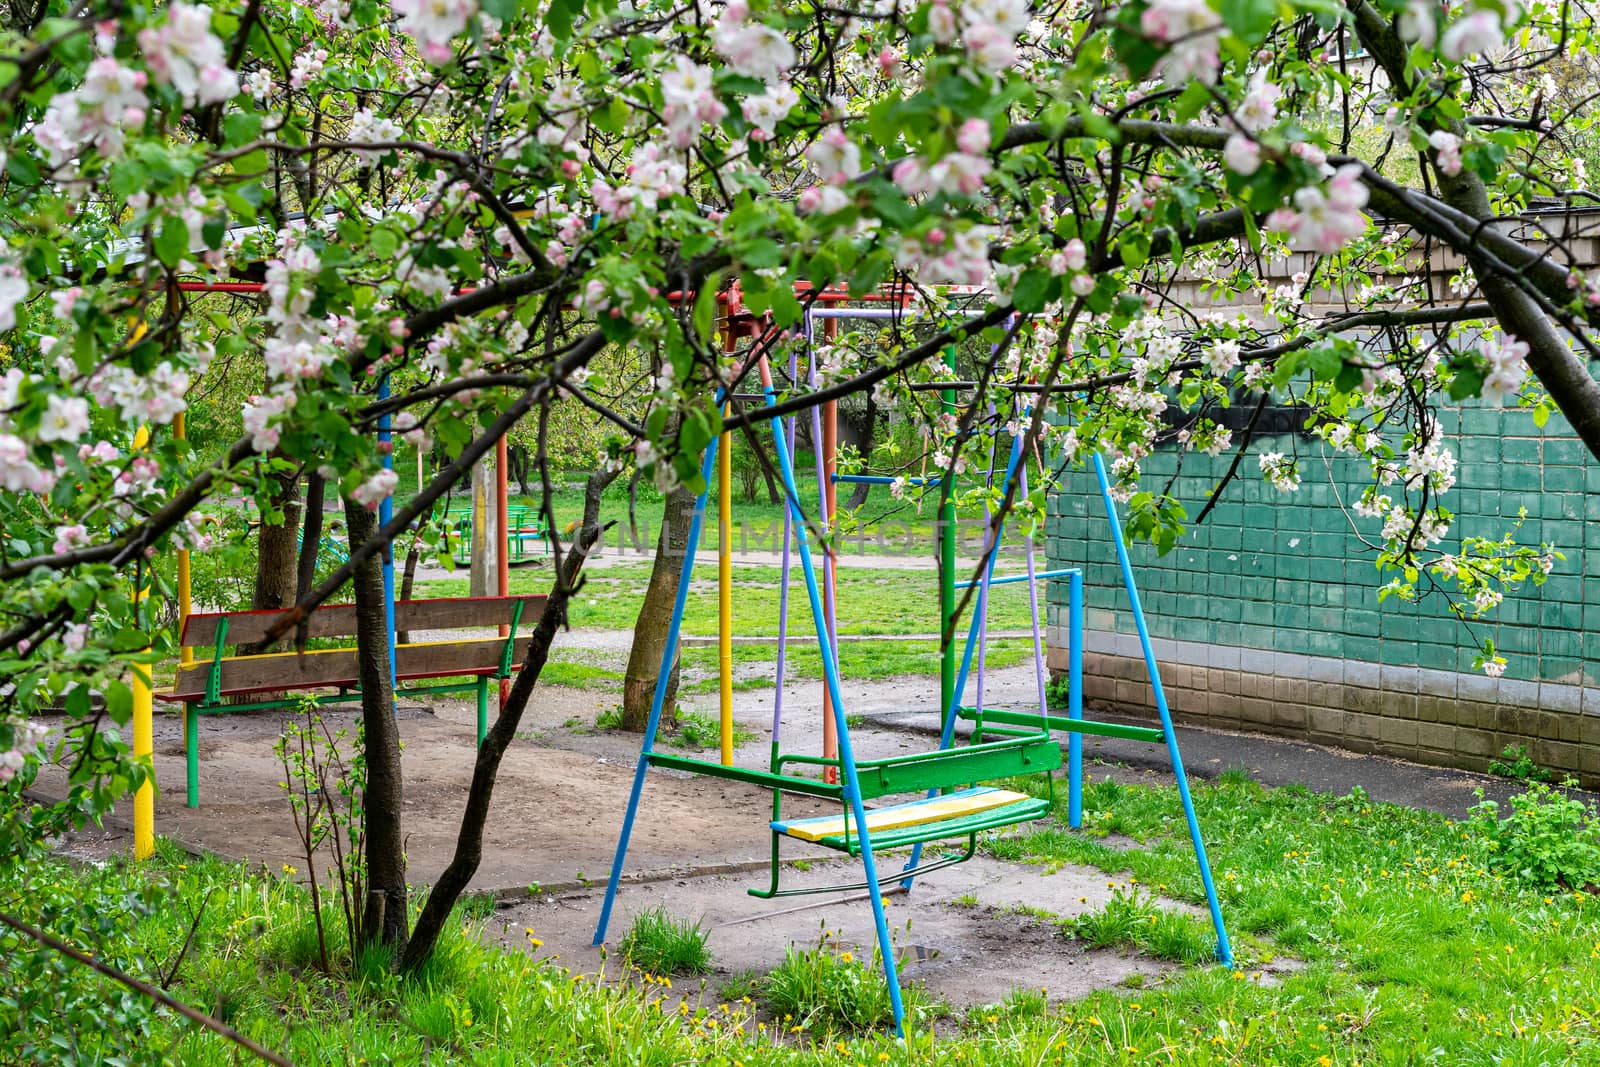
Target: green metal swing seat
956 806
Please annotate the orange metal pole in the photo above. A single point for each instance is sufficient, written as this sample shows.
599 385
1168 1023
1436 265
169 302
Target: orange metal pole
503 549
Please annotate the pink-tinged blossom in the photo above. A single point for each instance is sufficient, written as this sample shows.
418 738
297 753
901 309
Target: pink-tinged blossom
294 360
973 137
822 200
110 100
1241 155
689 99
1186 25
69 538
376 489
1508 366
1074 256
260 412
65 418
1419 23
959 258
1081 285
957 173
1259 108
13 291
434 25
941 22
1474 33
1448 147
184 53
751 48
1325 219
990 48
26 741
75 637
835 157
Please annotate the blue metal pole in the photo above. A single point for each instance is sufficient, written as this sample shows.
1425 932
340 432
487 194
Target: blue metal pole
1075 699
847 760
1012 579
1224 950
662 680
385 514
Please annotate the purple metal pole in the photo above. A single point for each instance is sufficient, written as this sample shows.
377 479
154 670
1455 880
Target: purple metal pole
1033 604
783 582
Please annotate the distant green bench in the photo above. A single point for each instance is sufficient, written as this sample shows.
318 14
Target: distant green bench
204 685
524 524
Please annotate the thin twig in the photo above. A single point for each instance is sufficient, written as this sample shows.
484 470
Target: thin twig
195 1015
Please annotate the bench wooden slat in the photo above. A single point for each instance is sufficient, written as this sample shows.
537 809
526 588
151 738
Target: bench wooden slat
326 668
339 620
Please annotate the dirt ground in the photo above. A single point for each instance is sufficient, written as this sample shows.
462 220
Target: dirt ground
971 932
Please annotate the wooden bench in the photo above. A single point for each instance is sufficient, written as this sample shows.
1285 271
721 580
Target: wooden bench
202 685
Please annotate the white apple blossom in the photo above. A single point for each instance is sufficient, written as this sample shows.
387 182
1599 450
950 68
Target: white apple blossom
13 291
1476 32
184 53
434 24
1419 23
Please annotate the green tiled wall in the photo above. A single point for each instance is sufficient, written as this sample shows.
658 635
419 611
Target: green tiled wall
1286 572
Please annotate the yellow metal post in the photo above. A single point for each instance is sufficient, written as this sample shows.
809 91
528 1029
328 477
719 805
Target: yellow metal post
144 801
725 591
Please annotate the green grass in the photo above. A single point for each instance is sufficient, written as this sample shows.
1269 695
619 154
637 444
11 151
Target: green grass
858 661
877 601
1408 950
661 944
826 990
882 526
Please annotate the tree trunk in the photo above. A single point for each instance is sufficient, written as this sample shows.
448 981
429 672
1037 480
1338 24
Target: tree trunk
453 881
385 911
277 564
408 582
310 537
655 618
865 428
521 468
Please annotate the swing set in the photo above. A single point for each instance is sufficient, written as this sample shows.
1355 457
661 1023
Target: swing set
948 803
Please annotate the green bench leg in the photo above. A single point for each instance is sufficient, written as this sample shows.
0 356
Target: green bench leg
483 708
191 752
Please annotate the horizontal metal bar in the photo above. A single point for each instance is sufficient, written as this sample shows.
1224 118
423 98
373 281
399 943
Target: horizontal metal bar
792 784
879 479
859 313
1071 726
1010 578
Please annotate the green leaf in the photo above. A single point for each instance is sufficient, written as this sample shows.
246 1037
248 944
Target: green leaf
705 307
561 16
504 10
1033 291
172 240
1249 19
241 127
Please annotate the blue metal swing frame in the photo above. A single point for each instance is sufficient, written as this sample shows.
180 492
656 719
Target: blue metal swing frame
848 790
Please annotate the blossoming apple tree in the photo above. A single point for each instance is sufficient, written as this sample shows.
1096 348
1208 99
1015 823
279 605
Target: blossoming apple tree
456 208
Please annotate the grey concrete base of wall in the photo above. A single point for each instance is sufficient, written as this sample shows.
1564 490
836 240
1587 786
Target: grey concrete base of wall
1443 718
